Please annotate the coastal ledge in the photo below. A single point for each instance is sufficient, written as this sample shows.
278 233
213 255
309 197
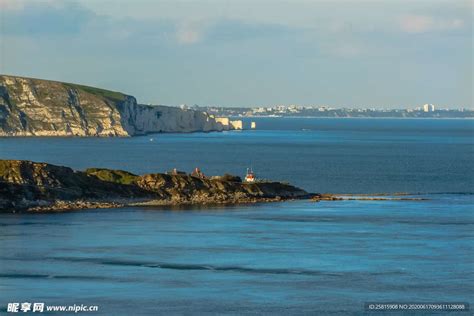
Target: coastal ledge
27 186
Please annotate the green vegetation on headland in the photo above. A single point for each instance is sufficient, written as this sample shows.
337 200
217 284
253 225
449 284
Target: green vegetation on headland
108 94
32 186
115 176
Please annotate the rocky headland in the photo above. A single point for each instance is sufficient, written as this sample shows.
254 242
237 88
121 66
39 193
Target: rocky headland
27 186
35 107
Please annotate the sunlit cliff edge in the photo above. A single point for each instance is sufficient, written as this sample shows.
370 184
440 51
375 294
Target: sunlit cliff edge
36 107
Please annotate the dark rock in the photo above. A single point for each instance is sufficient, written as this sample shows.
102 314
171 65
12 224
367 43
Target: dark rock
31 186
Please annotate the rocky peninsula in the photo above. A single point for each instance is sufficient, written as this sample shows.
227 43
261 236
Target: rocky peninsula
27 186
35 107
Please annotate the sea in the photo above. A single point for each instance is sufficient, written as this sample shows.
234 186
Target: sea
285 258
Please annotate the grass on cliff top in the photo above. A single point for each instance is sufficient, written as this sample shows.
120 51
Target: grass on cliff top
115 176
112 95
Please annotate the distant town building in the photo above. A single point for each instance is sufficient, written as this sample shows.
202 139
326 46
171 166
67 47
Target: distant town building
428 108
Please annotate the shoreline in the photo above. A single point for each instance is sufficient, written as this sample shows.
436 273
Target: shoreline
27 186
69 206
79 205
120 136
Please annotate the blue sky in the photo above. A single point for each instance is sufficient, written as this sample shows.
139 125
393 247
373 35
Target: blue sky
385 53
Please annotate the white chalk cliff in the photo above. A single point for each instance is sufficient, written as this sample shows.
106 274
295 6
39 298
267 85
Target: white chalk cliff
35 107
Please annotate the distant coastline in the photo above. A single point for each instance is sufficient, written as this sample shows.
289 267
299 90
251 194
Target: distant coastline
353 117
427 111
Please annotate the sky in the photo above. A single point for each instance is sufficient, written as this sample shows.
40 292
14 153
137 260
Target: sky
341 53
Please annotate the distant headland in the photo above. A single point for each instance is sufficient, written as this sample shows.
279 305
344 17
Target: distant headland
35 107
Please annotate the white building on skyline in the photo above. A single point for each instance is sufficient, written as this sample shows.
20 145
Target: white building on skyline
428 108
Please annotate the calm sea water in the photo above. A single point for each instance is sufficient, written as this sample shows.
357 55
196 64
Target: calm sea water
294 257
320 155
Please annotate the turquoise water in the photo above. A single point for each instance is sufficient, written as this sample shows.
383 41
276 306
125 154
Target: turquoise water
296 257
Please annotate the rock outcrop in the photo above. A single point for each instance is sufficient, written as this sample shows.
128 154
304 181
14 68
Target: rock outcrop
34 107
31 186
228 124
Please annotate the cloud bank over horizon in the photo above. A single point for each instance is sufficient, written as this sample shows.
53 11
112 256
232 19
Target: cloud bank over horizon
245 53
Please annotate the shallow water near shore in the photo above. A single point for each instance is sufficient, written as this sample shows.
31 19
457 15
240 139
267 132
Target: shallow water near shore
290 257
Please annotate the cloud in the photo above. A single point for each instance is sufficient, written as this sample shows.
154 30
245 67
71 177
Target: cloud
55 18
18 5
226 30
50 17
425 23
190 32
304 50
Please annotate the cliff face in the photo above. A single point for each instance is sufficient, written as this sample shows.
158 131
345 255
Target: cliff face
34 107
31 186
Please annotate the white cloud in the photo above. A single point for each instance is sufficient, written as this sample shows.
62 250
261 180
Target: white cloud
190 32
425 23
416 23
